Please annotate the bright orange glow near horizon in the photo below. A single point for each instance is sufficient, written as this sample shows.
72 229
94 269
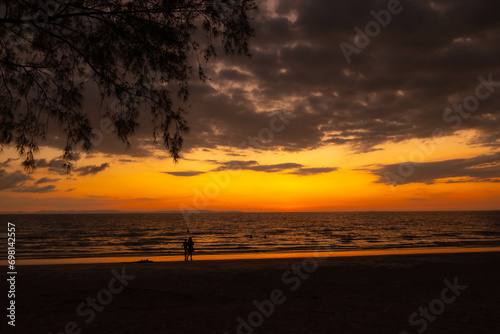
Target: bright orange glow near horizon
145 185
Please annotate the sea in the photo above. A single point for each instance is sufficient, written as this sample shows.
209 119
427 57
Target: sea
55 236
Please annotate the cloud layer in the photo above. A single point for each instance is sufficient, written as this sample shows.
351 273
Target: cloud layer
399 87
427 59
484 168
16 182
252 165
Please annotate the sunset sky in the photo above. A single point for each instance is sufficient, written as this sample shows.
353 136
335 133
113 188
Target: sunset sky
412 122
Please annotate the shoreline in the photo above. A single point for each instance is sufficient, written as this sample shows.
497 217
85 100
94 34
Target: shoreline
257 256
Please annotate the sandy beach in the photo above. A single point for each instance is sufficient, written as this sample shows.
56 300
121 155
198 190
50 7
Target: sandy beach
431 293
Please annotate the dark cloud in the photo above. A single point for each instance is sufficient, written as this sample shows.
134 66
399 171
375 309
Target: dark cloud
46 180
7 162
55 166
92 169
252 165
397 88
35 189
12 181
15 182
483 168
184 174
231 154
56 162
314 171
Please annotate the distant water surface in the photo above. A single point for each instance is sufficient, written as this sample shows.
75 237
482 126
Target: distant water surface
45 236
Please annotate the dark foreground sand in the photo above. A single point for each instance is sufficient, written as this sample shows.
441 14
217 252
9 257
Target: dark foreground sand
343 295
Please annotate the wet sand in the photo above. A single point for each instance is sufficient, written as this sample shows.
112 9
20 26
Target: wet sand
361 294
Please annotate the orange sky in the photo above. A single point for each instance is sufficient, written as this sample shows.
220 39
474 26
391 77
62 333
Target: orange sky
142 185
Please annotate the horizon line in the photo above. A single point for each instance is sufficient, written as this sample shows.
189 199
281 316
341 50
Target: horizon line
222 211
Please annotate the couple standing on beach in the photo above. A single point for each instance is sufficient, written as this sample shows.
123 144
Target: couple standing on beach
188 248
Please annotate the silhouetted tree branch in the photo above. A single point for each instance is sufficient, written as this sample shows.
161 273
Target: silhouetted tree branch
50 51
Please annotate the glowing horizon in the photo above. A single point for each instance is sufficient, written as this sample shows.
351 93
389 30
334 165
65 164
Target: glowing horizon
350 186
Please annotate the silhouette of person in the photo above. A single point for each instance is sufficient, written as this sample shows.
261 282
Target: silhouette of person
190 245
185 245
